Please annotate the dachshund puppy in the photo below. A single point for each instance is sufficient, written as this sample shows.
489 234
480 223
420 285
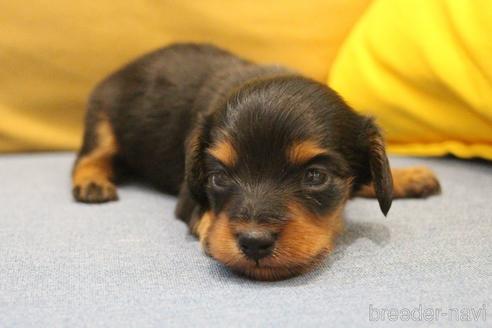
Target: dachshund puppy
262 158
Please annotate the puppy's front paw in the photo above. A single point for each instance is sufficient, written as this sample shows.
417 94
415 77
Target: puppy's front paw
94 192
415 182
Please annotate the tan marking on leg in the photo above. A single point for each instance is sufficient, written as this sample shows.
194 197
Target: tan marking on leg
93 172
201 228
411 182
302 152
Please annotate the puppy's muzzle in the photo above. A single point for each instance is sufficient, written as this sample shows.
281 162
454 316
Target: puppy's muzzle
256 244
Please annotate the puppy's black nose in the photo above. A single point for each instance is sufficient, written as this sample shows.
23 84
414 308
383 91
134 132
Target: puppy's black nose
256 245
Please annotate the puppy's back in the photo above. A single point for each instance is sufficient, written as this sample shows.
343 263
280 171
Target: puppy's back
150 106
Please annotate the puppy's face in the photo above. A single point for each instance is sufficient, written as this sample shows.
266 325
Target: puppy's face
273 168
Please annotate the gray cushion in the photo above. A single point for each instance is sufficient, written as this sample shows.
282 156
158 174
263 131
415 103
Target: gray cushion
131 263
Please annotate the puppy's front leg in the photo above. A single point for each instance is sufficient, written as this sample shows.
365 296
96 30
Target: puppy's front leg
410 182
188 210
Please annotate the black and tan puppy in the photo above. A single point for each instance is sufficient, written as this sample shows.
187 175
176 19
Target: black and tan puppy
262 158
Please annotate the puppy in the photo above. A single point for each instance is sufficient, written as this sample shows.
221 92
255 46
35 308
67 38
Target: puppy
262 158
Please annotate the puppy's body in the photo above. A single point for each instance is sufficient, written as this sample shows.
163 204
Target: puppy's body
268 157
151 105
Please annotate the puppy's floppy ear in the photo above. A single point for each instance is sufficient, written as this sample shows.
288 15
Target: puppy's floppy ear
195 175
379 166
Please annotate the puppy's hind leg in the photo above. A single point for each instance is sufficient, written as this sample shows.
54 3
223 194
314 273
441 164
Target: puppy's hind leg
409 182
93 172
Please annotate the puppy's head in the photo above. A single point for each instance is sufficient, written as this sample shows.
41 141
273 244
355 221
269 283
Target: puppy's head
273 168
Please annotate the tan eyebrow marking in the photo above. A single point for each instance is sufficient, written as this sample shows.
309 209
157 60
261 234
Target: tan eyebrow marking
224 152
302 152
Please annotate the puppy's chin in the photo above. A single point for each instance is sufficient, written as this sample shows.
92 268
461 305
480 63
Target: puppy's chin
302 244
269 269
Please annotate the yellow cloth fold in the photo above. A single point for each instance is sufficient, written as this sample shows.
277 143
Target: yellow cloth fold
423 69
52 52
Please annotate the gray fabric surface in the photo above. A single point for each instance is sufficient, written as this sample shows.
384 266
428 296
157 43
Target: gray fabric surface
130 263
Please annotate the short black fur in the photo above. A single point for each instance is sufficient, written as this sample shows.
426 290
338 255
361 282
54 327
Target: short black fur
167 107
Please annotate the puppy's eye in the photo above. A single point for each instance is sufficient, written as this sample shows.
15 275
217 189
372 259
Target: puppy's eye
219 180
315 177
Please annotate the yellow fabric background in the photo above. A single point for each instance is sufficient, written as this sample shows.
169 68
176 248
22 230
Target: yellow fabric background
52 52
424 69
